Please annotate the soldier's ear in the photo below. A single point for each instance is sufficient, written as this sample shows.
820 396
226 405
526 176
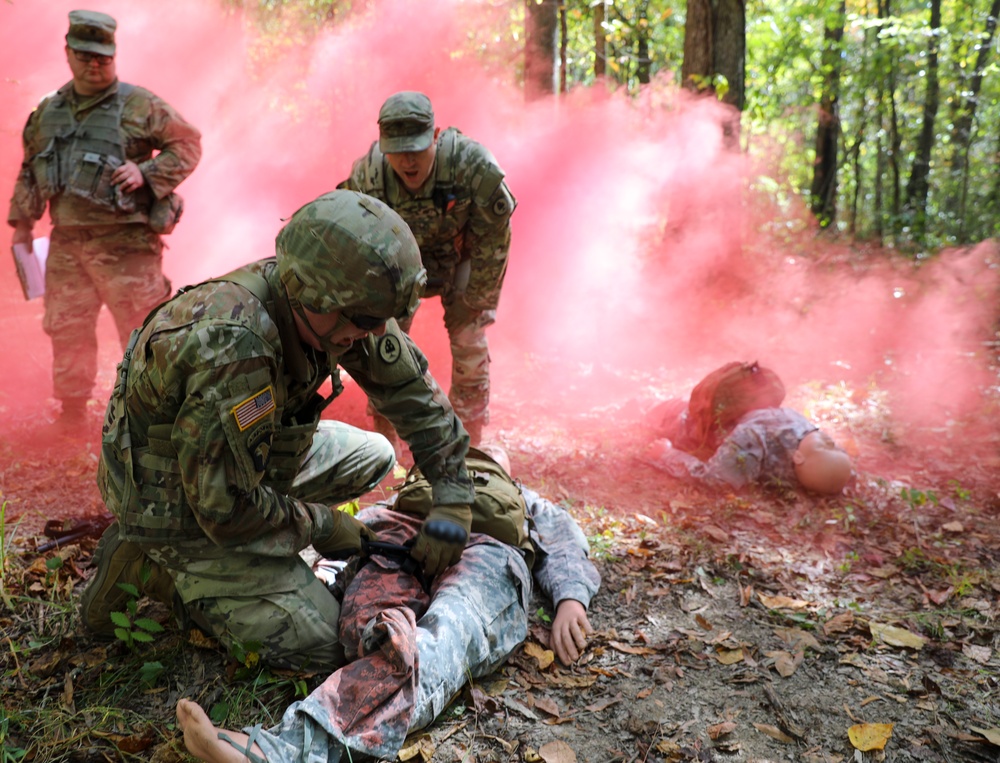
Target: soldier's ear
437 132
798 458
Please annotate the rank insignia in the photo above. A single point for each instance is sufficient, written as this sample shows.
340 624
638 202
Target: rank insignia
253 409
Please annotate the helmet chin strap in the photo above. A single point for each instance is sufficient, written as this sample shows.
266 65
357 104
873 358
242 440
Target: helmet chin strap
322 340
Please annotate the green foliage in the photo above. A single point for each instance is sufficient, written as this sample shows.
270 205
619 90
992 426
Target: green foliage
542 615
9 751
131 629
917 498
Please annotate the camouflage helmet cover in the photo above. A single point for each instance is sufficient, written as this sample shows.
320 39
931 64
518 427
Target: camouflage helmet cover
348 251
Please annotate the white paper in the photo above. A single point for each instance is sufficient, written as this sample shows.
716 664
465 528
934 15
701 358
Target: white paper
31 267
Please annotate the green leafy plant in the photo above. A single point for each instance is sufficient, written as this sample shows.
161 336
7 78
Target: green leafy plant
131 629
542 615
9 753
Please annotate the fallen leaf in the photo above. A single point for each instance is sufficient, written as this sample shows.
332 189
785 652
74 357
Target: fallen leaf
557 752
774 732
992 735
980 654
781 602
705 624
604 704
746 595
716 533
422 746
786 663
729 656
547 705
953 527
839 623
796 637
544 657
643 694
630 649
893 636
869 736
720 729
884 572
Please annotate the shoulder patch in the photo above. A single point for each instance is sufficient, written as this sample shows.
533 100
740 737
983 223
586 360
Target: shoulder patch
254 408
389 348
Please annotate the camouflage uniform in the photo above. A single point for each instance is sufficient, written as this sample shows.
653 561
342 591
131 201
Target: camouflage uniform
415 654
461 220
216 463
759 449
102 249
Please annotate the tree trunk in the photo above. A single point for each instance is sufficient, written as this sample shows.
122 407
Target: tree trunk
715 44
918 186
600 40
642 61
895 140
962 130
824 182
541 61
563 44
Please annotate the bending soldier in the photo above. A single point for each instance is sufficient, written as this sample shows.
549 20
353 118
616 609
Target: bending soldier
89 156
214 459
452 194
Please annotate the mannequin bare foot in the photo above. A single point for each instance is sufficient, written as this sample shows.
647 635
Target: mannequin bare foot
201 738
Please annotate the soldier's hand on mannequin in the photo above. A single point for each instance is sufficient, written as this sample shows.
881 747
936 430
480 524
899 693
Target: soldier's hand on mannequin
442 538
128 177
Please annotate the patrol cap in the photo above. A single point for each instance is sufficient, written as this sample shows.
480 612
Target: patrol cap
92 32
406 123
351 252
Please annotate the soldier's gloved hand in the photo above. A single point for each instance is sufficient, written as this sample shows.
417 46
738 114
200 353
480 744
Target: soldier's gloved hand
458 315
345 539
442 538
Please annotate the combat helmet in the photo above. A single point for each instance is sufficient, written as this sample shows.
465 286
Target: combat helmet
350 252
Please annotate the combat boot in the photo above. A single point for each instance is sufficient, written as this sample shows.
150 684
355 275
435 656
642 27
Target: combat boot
120 561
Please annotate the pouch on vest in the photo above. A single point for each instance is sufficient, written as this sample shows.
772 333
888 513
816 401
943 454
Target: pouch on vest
45 171
498 509
165 213
90 178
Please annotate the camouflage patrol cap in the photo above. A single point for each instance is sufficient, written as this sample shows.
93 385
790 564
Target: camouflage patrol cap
348 251
92 32
406 123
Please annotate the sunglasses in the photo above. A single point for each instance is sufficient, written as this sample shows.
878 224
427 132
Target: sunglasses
366 322
85 58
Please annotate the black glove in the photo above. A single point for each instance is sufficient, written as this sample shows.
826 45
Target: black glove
345 539
442 538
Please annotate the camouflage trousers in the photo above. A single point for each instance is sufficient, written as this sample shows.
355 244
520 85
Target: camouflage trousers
269 602
413 654
115 265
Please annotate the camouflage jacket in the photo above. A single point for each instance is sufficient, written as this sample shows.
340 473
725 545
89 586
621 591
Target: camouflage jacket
148 124
215 408
461 214
759 449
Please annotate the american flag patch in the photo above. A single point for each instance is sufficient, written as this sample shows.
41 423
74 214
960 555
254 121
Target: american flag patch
252 410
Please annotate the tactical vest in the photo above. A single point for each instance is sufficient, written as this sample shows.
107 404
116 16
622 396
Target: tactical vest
437 222
141 485
79 157
498 509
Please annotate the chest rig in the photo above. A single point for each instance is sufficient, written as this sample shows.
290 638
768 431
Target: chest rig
78 158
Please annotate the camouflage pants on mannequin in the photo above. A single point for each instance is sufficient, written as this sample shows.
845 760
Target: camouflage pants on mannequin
87 267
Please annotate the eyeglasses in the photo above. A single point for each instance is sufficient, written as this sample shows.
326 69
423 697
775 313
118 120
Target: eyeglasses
85 58
366 322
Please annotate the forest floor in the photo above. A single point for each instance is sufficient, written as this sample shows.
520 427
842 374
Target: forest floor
751 627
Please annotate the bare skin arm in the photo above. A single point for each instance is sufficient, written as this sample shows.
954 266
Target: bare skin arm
201 738
570 629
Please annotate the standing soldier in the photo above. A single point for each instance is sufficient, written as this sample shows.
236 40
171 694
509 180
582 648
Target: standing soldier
214 459
89 155
452 194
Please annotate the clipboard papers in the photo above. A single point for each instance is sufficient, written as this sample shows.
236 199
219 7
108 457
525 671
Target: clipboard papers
30 265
